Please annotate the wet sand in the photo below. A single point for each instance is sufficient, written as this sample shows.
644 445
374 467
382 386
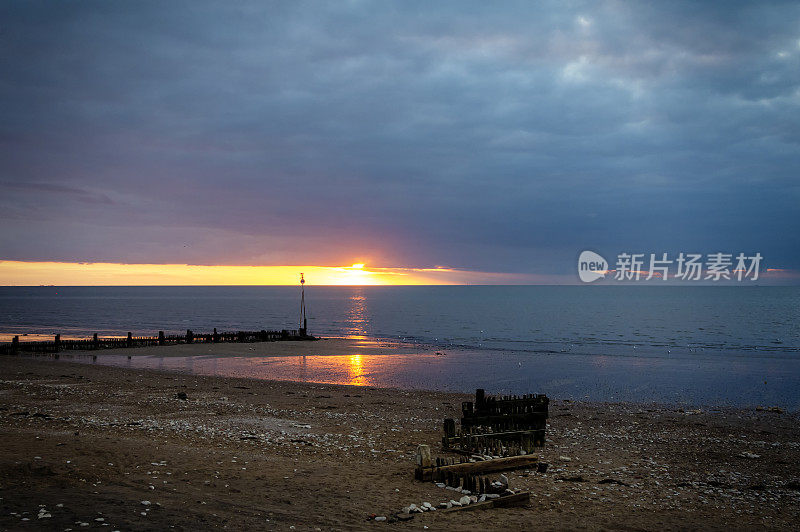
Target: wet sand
698 380
114 446
320 347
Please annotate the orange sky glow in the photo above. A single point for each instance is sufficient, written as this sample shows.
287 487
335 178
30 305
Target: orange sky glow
16 273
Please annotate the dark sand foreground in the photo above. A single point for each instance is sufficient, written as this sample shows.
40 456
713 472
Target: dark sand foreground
97 447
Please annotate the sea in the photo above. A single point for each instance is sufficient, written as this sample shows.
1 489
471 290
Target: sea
691 346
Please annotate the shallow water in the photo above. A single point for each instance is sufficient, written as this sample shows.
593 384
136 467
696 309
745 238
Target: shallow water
695 345
697 381
593 319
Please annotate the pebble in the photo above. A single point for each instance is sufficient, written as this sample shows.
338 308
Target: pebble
453 503
380 518
465 500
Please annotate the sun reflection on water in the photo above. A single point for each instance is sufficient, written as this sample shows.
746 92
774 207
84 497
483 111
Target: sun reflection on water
356 319
356 375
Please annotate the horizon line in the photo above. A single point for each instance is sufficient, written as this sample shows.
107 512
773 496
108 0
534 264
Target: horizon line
85 274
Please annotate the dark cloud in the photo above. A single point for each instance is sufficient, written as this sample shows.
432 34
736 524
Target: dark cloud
501 137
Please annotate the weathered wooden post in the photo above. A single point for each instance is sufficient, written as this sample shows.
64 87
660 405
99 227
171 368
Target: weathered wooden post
424 464
161 340
129 343
480 399
15 345
189 336
449 432
95 341
58 342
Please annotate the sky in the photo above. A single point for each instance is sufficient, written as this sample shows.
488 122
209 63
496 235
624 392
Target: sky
435 142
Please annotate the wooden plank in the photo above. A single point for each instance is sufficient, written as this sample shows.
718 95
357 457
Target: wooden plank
518 499
490 466
491 435
488 419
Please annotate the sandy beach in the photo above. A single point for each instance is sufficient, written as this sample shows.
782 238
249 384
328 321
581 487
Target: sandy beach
91 446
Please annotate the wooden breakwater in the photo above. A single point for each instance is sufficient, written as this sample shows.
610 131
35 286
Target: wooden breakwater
90 344
503 425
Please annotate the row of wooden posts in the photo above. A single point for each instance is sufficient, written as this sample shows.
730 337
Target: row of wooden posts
94 343
498 426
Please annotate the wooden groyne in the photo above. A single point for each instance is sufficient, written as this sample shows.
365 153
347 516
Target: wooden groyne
96 343
503 425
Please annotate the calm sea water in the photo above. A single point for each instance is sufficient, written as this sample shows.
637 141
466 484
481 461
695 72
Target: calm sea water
698 345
